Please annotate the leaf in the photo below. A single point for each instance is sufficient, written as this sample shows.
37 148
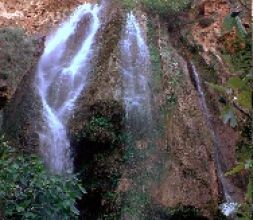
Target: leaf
228 23
75 211
236 83
19 208
240 30
81 189
29 215
245 99
249 191
217 88
229 116
238 168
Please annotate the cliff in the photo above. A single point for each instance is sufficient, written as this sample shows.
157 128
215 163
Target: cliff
172 172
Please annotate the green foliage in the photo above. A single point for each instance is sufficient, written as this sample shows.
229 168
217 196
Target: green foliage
236 83
238 168
241 91
217 88
240 60
101 129
245 210
101 122
16 53
129 4
238 96
234 22
245 99
164 7
161 7
29 191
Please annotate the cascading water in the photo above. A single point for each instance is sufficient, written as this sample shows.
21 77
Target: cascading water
229 206
135 68
61 76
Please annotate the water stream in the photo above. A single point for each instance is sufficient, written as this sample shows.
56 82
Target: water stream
229 206
135 68
61 76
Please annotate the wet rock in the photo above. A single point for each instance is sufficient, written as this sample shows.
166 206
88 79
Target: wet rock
98 121
3 93
22 117
190 177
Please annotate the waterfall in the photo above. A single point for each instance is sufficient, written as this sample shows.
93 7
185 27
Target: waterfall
229 206
61 76
135 63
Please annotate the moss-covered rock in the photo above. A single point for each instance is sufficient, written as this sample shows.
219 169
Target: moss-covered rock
21 115
103 125
17 56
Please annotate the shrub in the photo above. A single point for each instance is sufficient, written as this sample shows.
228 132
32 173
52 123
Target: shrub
164 7
29 191
101 130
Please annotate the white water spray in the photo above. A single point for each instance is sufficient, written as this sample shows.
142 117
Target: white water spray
229 206
61 77
135 60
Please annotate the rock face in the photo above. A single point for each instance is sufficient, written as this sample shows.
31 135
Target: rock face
188 176
4 93
36 16
97 123
105 76
22 113
13 45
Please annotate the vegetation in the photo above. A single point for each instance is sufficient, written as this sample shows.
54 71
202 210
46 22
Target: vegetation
236 97
101 129
162 7
29 191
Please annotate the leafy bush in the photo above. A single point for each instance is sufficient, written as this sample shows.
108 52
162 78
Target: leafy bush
238 90
164 7
129 4
29 191
240 56
237 96
100 129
